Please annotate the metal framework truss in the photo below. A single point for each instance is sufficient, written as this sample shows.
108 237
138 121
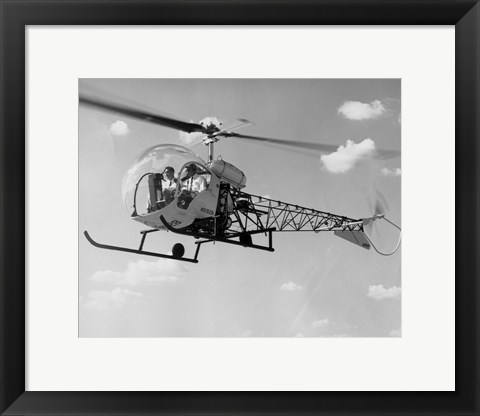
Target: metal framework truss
256 212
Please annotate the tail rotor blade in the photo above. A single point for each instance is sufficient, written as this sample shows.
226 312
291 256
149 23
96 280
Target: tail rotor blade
381 204
378 207
368 225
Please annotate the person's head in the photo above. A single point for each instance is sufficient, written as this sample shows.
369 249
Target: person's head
169 172
191 170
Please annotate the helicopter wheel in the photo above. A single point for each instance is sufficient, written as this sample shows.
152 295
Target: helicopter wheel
178 250
246 239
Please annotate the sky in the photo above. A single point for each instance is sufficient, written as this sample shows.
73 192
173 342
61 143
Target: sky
313 284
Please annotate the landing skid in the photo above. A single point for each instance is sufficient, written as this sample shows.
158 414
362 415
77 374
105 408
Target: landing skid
140 250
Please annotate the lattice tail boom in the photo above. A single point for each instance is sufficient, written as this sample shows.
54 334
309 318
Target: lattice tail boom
267 213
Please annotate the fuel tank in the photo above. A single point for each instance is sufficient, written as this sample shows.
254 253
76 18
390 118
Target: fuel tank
228 173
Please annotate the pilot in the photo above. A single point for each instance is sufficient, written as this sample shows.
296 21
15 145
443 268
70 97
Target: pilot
192 181
169 184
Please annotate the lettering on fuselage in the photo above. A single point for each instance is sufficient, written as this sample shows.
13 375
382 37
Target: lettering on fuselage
174 223
206 211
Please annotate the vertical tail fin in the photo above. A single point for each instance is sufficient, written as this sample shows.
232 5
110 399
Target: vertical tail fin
356 237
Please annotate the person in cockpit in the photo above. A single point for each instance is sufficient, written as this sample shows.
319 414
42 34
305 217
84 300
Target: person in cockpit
192 181
169 184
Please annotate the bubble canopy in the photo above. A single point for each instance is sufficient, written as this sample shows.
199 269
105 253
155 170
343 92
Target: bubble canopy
153 160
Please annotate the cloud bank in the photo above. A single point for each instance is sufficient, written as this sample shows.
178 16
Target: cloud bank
355 110
391 172
379 292
322 323
143 273
347 156
291 287
102 300
119 128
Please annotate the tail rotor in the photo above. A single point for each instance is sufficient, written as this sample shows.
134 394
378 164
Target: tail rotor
371 224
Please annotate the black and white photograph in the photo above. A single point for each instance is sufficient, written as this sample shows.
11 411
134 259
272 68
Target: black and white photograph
240 208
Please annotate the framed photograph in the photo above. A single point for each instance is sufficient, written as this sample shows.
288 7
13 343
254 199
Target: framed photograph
237 207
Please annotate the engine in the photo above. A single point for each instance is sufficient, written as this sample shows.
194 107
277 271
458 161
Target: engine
228 173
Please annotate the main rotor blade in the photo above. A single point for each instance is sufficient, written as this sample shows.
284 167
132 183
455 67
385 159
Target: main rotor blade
321 147
315 146
234 125
141 115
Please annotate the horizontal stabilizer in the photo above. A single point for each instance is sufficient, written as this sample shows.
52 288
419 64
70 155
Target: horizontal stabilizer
355 237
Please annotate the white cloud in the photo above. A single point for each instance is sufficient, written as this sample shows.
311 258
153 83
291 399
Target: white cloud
290 287
246 333
103 300
391 172
347 156
355 110
299 335
119 128
322 323
211 120
190 138
195 137
396 333
379 292
143 273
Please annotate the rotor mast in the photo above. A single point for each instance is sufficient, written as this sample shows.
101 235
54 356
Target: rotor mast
210 142
210 151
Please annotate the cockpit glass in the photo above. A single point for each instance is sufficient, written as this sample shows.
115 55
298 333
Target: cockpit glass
193 180
151 180
196 177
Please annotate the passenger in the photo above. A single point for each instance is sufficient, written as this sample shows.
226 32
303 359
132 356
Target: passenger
169 184
192 181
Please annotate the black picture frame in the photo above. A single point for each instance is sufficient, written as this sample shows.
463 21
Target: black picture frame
15 15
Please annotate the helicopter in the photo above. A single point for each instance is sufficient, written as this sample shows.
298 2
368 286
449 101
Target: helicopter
207 200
